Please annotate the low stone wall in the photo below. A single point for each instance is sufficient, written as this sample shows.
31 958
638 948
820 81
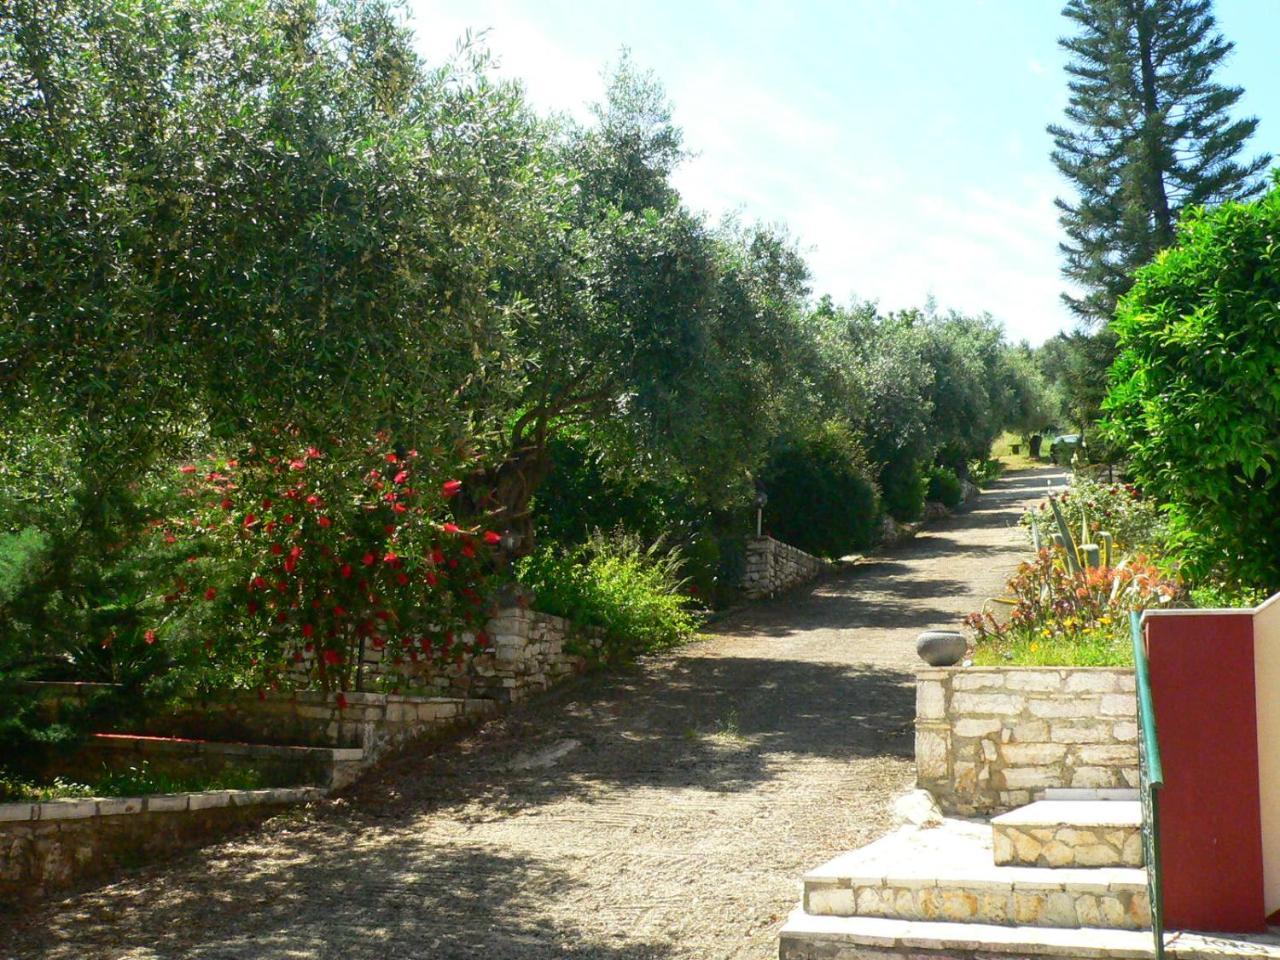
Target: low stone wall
187 759
45 847
989 739
376 723
774 567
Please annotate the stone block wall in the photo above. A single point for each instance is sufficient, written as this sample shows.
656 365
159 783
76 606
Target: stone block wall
45 847
989 739
774 567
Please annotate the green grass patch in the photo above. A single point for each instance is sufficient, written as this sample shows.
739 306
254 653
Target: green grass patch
1093 649
136 781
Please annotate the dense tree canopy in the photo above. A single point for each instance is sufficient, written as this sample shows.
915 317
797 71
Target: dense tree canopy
235 226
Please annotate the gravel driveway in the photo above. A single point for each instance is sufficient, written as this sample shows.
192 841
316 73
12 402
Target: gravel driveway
664 812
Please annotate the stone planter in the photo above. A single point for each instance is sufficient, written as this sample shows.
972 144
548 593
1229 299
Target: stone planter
989 739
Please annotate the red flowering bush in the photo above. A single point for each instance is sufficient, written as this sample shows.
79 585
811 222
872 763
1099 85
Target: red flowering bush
302 560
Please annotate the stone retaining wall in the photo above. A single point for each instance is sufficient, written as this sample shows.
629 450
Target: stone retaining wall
376 723
774 567
989 739
45 847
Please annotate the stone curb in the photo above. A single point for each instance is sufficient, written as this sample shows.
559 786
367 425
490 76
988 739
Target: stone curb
83 809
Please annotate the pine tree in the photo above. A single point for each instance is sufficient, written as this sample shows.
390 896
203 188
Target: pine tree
1148 135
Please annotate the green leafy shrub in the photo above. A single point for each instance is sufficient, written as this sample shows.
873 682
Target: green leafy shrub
984 472
902 489
1135 522
1194 396
633 593
820 497
944 487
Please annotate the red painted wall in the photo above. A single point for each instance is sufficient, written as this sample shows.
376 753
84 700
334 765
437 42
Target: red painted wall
1211 835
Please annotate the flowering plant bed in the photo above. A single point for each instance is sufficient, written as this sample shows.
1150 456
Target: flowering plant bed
298 561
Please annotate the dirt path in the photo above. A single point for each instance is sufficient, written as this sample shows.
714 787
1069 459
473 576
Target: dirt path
664 813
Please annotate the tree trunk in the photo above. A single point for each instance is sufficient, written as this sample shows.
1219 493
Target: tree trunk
1157 198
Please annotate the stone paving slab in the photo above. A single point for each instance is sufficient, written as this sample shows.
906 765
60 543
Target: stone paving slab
806 937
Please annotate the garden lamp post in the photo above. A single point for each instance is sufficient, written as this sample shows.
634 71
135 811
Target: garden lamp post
761 499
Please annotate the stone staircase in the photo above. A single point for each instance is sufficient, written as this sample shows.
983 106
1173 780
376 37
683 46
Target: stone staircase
1056 878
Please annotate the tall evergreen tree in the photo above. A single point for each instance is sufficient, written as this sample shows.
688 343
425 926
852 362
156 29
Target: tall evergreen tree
1148 134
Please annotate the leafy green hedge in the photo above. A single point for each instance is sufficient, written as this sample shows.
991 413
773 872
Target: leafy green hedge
945 487
1195 397
820 496
631 592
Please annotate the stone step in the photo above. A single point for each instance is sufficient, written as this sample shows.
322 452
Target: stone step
183 757
1070 833
806 937
948 873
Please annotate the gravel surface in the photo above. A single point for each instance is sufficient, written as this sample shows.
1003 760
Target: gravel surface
664 812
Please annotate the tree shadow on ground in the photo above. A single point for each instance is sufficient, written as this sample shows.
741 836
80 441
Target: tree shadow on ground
319 897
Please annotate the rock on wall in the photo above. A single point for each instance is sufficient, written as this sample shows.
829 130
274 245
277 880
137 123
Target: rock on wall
774 567
989 739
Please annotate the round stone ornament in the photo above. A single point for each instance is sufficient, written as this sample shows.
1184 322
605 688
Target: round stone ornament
941 648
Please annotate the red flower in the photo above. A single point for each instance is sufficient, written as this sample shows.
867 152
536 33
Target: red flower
339 611
402 579
250 519
392 458
331 657
451 528
401 477
398 508
210 593
297 464
313 453
187 468
258 583
281 617
266 503
308 630
149 636
437 556
170 538
432 579
391 558
468 550
451 488
270 526
252 607
290 564
226 503
324 521
276 549
345 571
491 538
368 559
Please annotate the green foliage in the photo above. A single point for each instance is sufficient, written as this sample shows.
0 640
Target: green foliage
135 781
1194 395
633 593
1148 135
1135 522
903 485
944 487
820 497
984 472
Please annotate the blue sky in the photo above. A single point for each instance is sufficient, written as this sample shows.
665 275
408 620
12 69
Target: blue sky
901 142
